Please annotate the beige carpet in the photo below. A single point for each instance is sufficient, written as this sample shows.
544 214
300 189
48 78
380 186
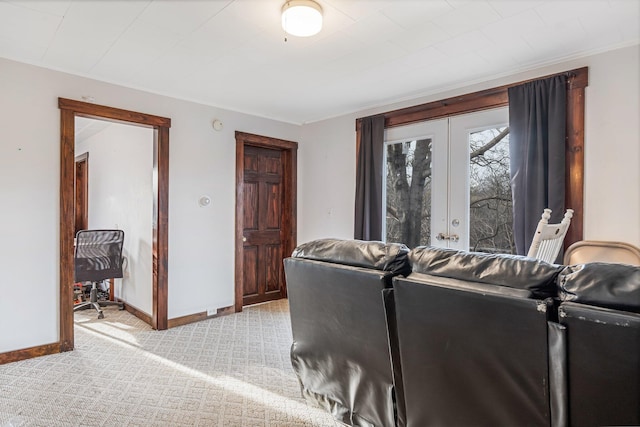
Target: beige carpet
229 371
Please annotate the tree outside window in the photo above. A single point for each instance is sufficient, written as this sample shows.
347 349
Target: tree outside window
408 187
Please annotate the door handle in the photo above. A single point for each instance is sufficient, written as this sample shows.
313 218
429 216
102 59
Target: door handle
244 239
449 237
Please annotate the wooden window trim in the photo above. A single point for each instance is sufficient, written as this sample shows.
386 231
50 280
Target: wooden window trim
496 97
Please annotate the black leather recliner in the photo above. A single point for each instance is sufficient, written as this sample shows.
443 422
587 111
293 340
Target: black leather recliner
465 339
473 339
341 352
601 314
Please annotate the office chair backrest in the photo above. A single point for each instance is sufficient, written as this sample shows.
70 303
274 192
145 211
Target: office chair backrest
548 239
98 255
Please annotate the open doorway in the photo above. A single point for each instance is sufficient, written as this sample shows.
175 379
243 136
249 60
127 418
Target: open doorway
115 191
69 110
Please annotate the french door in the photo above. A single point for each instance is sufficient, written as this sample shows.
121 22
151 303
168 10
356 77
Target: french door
447 183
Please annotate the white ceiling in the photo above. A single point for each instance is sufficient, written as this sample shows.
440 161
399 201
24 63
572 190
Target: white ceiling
86 128
232 53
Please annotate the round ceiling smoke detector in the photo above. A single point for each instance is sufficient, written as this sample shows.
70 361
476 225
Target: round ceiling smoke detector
204 201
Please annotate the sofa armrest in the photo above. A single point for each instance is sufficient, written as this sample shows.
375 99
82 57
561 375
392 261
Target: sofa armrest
600 284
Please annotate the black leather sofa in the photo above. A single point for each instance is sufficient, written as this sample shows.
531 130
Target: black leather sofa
452 338
473 339
340 350
600 310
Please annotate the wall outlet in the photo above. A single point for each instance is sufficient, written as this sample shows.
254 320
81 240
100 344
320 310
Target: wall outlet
211 311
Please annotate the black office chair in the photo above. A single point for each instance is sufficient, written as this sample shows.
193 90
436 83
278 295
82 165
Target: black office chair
98 257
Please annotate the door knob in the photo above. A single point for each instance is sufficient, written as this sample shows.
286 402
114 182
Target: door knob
244 239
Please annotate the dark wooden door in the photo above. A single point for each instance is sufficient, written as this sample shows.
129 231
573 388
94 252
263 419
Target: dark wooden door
81 221
263 201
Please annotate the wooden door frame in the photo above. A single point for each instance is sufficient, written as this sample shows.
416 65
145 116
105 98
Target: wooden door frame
82 158
290 164
69 109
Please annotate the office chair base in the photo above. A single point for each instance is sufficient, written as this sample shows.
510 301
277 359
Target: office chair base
93 302
90 304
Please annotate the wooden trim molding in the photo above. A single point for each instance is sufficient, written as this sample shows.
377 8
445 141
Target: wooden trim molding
238 252
478 101
469 103
69 109
145 317
161 231
290 152
81 206
67 200
197 317
28 353
578 80
574 160
85 109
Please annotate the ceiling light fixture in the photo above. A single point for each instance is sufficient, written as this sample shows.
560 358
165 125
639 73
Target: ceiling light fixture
302 18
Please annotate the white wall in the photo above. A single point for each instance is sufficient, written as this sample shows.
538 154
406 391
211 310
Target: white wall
326 179
121 196
612 147
29 170
201 161
612 153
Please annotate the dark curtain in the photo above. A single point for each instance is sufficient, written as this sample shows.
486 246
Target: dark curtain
368 208
537 123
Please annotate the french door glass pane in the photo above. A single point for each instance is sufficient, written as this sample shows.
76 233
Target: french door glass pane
408 192
491 212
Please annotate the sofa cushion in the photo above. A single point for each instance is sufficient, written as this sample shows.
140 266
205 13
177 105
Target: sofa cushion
602 284
390 257
469 286
512 271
